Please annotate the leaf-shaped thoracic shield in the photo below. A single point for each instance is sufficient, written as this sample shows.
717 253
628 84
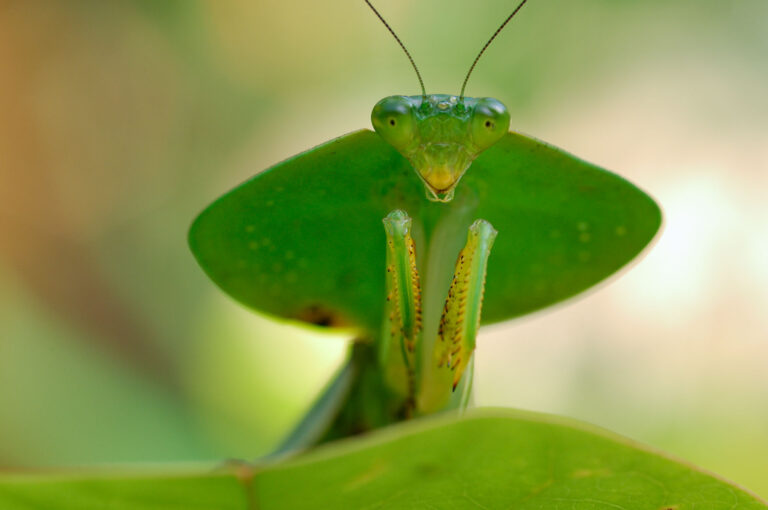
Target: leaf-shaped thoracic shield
304 239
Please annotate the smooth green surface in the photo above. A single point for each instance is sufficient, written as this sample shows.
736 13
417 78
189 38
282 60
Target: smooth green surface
207 491
303 240
492 459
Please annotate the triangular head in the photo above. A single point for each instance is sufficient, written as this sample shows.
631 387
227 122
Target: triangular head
440 134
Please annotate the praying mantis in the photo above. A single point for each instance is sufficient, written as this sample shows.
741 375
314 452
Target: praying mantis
304 241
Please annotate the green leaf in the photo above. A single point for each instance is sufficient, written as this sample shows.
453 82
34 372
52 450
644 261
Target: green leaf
209 491
490 459
303 240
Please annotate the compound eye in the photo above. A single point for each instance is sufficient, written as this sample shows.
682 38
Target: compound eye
490 121
392 118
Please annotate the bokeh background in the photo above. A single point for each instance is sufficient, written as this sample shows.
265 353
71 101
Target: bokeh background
121 120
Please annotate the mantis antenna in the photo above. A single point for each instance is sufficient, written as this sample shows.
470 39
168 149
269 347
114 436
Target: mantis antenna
472 67
418 75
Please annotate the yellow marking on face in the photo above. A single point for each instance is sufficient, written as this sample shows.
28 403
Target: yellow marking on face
439 178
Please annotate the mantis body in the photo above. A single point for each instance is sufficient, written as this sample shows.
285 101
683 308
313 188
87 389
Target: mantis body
304 241
440 135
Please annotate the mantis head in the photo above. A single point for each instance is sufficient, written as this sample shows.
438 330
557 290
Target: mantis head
440 134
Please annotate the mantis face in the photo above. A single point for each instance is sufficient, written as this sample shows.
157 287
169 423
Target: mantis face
440 134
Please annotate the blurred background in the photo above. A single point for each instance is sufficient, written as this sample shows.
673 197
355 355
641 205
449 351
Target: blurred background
120 121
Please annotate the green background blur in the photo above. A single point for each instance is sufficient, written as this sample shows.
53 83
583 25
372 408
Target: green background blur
120 121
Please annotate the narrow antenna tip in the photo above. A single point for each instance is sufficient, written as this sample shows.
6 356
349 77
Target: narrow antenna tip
418 74
496 33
